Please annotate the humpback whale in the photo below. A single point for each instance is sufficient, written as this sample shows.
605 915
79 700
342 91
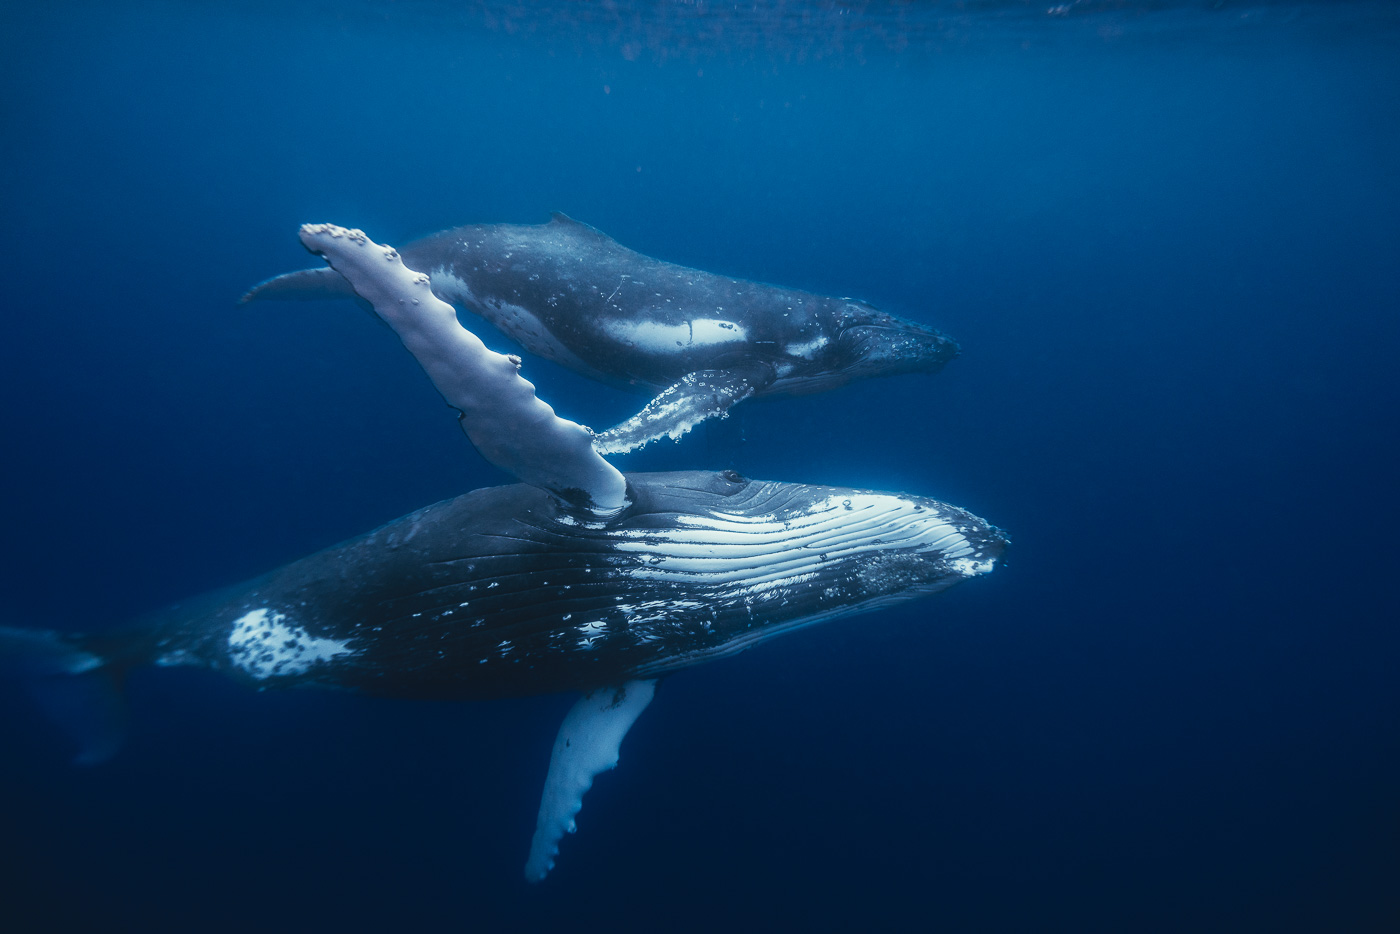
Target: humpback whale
578 578
697 341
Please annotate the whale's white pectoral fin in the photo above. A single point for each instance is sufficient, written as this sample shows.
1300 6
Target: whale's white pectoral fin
499 410
696 397
587 744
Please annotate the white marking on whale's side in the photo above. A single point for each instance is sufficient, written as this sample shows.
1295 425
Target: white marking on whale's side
265 645
806 349
663 338
590 633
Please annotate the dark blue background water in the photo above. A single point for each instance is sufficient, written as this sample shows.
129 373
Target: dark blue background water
1168 239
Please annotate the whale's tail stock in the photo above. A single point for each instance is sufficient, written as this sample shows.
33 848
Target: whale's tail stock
77 688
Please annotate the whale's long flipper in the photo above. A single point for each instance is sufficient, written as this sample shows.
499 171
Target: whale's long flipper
679 408
305 285
500 413
586 746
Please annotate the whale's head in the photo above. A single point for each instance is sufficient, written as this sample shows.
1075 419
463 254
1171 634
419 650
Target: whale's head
856 341
871 342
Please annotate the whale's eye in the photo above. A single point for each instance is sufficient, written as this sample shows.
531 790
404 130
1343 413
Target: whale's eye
733 476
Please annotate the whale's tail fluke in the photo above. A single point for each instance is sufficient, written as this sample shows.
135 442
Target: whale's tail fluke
77 688
306 285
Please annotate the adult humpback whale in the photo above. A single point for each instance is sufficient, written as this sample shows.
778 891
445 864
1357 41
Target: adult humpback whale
579 578
698 341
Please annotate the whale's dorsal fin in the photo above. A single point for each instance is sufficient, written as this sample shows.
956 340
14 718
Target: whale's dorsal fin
500 413
564 220
587 745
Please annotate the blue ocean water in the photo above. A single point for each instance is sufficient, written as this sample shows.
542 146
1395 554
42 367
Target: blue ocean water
1167 236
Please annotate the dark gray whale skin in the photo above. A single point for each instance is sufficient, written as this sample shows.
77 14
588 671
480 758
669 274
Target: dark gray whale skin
571 294
503 592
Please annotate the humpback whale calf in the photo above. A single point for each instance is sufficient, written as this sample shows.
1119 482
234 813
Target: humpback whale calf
698 341
578 578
